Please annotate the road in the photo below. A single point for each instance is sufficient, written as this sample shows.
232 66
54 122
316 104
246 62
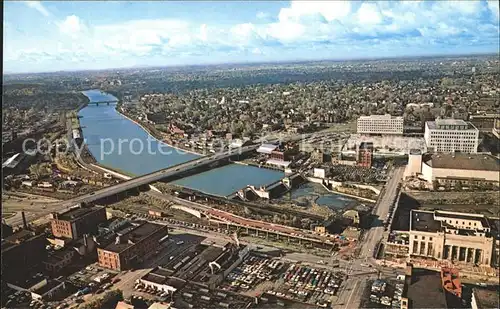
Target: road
350 296
153 177
389 194
127 185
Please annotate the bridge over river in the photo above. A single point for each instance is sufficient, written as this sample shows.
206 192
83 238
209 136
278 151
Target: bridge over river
155 176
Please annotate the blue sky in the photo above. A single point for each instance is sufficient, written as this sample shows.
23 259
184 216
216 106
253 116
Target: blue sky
64 35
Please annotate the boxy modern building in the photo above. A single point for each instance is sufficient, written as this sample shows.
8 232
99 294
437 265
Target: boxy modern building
380 124
451 135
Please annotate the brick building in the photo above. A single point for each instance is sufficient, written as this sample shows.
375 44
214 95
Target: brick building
75 222
133 244
365 154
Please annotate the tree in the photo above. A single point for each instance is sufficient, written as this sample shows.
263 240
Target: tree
435 184
108 300
458 186
40 170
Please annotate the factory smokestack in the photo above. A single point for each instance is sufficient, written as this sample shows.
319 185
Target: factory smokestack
25 224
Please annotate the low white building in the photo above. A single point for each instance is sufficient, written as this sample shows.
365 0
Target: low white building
459 167
319 172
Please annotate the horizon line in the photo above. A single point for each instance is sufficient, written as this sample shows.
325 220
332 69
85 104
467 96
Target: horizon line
236 63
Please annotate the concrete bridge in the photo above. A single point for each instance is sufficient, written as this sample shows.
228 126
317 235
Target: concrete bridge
145 180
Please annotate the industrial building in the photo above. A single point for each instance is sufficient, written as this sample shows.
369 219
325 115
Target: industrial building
77 221
468 169
21 252
451 135
458 237
380 124
133 244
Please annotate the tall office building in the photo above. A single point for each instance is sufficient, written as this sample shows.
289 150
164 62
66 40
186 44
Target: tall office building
451 135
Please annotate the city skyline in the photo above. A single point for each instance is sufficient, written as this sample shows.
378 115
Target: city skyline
54 36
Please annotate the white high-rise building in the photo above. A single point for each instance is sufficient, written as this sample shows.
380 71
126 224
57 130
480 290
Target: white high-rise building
380 124
451 135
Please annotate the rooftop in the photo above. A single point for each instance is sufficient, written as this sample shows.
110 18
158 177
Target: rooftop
76 213
425 290
450 124
462 216
18 238
486 298
480 162
137 233
386 116
423 221
47 287
267 148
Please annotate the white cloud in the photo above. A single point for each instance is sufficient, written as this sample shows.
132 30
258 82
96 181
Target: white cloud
369 14
257 51
493 7
262 15
329 10
37 5
301 26
71 25
286 31
203 32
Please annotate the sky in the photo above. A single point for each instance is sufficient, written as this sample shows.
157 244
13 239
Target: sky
44 36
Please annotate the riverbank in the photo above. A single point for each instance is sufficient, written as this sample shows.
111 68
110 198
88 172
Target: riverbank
159 138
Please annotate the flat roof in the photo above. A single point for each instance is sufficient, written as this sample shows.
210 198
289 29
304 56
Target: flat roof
462 161
139 233
279 163
453 123
155 278
18 238
46 288
266 148
461 216
423 221
76 213
425 290
486 298
386 116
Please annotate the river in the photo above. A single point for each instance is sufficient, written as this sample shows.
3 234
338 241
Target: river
115 141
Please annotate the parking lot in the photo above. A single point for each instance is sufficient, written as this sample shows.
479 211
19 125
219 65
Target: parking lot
271 279
385 293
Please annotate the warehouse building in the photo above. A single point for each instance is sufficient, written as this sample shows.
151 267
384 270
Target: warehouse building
21 252
133 244
77 221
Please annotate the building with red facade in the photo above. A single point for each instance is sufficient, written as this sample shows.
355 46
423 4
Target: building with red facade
365 154
77 221
133 244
